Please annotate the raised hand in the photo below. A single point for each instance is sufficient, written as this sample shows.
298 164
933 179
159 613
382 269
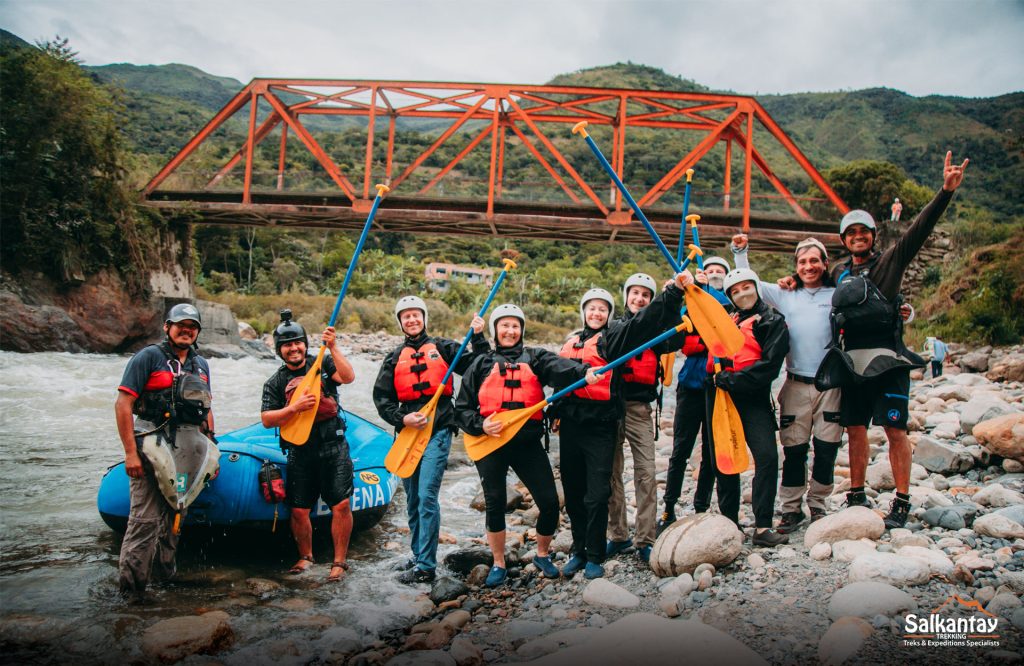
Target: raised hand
739 241
952 175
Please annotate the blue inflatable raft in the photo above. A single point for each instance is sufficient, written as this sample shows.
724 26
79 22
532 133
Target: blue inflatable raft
233 499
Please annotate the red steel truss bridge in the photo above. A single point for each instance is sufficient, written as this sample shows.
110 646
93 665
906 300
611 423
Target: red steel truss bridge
494 160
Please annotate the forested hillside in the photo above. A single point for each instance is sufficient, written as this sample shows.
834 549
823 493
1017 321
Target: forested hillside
870 144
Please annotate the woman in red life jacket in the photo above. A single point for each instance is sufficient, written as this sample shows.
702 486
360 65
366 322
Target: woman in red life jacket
407 379
589 418
748 378
512 377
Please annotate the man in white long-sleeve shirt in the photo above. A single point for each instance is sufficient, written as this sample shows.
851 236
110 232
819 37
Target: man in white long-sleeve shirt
807 415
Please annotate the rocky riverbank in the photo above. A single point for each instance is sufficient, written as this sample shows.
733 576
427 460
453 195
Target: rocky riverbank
839 592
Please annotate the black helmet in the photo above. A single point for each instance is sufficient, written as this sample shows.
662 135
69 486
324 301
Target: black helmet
183 312
288 331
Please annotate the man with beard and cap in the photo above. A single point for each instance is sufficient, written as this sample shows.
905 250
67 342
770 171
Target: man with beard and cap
408 378
690 410
868 358
320 467
748 377
589 417
512 377
147 393
640 378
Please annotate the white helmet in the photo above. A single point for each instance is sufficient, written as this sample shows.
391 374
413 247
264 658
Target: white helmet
857 217
602 294
409 303
506 310
639 280
737 275
717 260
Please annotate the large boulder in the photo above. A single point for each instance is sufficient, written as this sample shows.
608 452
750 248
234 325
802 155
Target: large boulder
997 495
889 568
1003 435
602 592
976 361
694 540
843 640
982 408
174 639
1000 527
879 475
645 638
855 522
936 456
869 599
936 560
1009 368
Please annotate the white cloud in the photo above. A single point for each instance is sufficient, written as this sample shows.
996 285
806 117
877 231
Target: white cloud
921 47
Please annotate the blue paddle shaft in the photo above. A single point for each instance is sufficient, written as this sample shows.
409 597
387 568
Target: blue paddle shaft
469 333
617 362
355 257
632 204
682 227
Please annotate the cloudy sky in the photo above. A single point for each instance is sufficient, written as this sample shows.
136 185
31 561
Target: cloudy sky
748 46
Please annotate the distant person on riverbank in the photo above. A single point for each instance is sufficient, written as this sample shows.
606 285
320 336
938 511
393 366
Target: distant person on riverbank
876 377
935 350
408 378
146 391
513 377
895 211
320 466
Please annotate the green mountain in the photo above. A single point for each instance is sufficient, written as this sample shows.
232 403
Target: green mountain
181 82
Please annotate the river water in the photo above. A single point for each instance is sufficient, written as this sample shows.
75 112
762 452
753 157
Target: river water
58 560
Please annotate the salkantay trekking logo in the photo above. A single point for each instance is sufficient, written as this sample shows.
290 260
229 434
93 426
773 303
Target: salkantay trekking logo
935 630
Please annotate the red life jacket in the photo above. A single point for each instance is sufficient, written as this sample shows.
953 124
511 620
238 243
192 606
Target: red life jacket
642 369
693 346
419 372
510 386
748 354
586 352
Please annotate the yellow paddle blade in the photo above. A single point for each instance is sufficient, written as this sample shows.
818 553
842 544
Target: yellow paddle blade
478 446
727 433
297 430
410 443
668 362
714 324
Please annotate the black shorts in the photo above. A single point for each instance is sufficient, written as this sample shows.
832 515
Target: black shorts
318 470
884 401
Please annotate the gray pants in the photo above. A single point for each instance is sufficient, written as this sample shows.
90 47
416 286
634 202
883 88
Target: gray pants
638 429
149 542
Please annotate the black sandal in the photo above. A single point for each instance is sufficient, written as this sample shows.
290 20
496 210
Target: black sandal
297 569
337 565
